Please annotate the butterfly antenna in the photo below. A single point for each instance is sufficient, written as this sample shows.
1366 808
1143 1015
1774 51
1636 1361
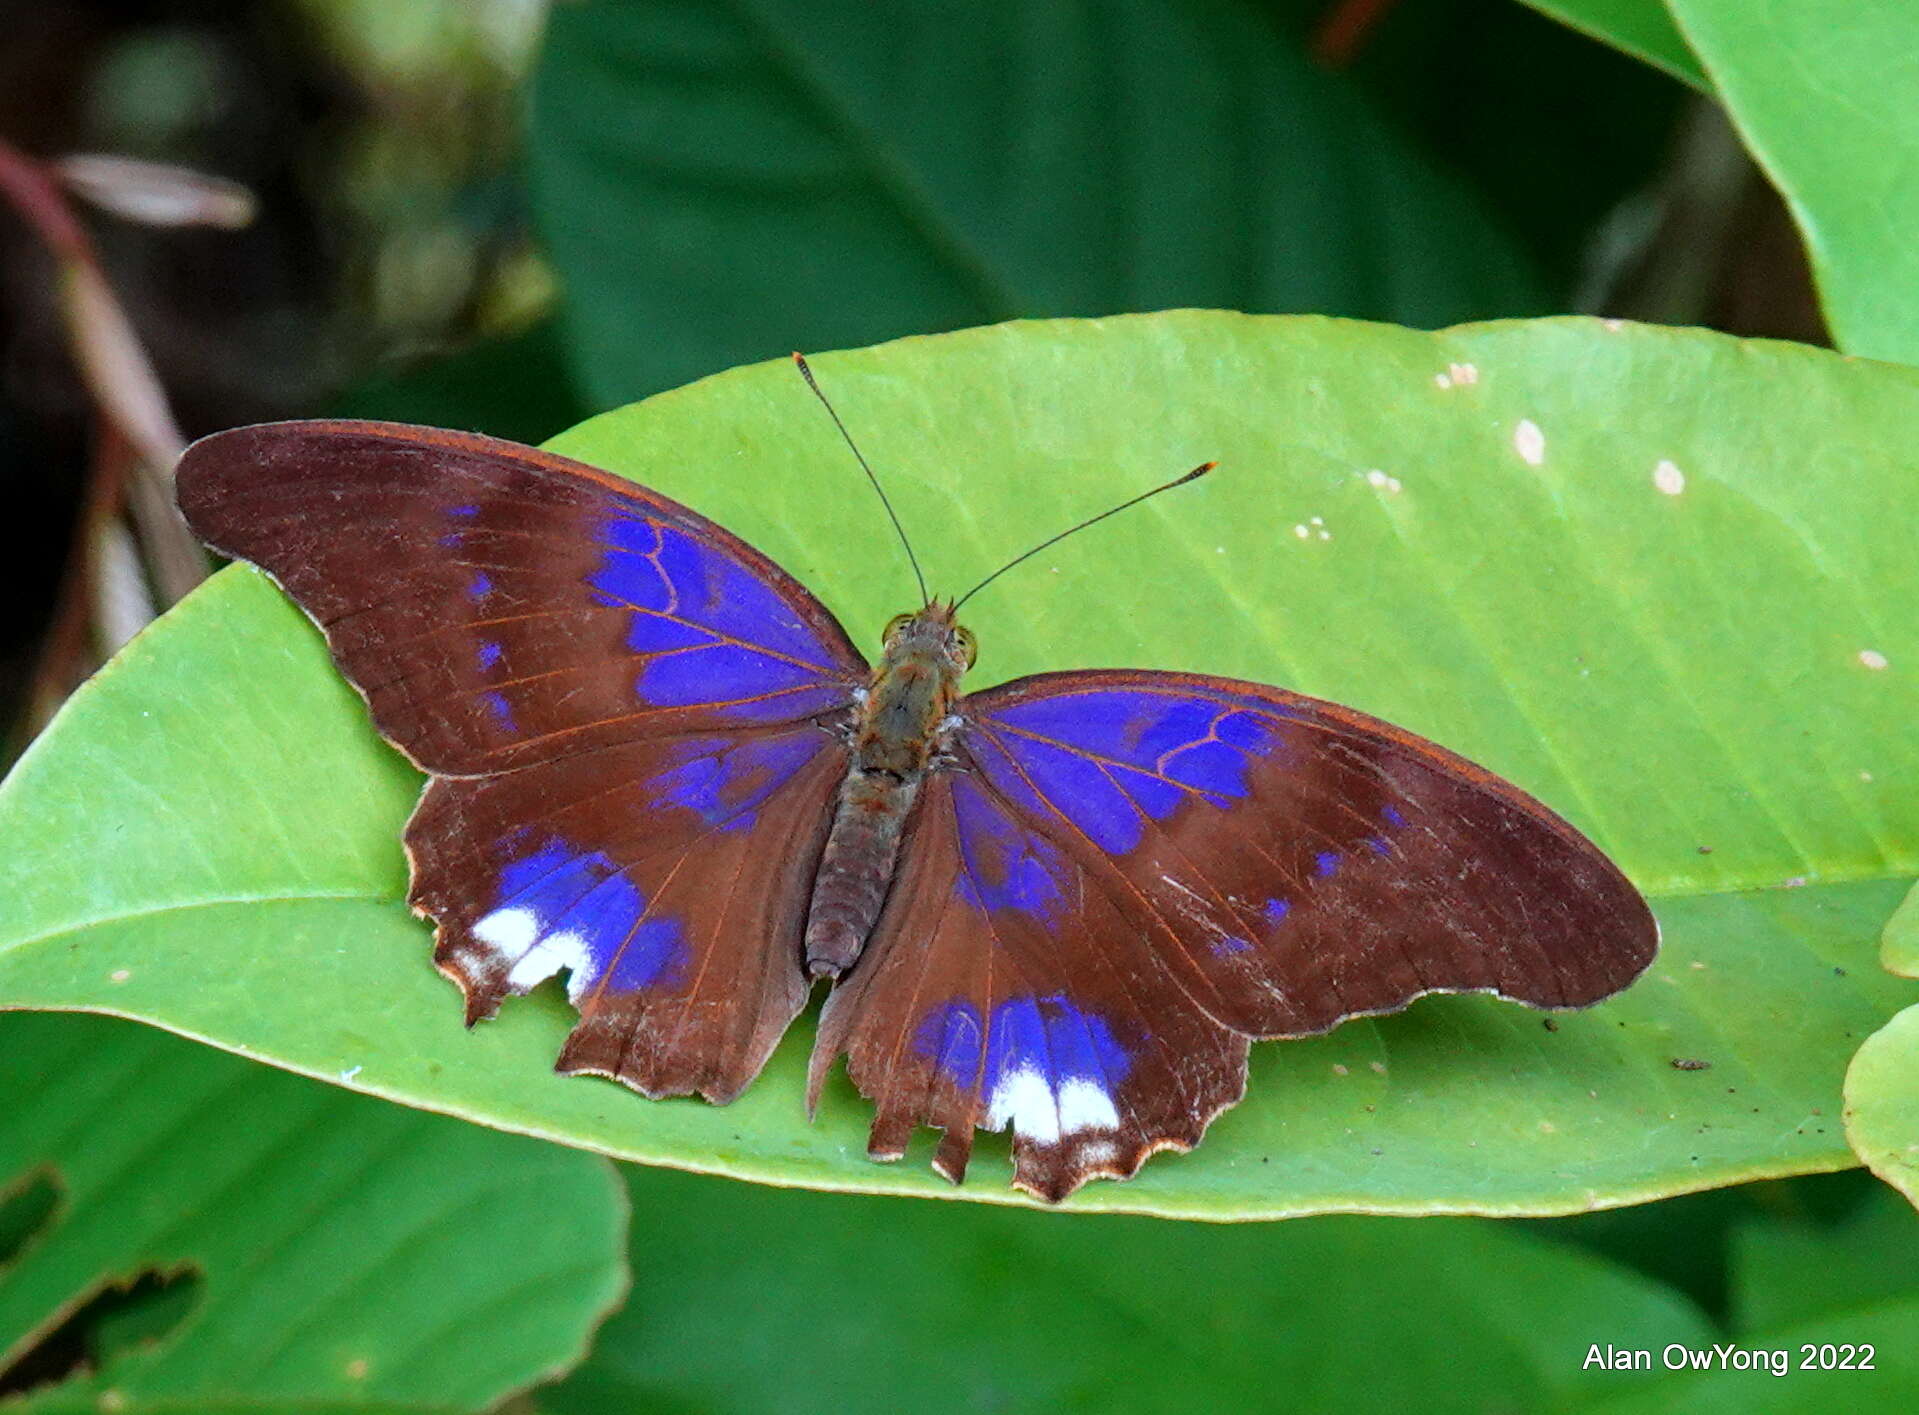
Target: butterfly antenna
892 515
1201 470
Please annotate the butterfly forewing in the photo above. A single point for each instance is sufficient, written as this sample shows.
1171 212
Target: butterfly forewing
499 606
1299 863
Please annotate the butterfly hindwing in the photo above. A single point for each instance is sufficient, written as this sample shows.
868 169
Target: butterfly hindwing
498 605
669 879
1003 989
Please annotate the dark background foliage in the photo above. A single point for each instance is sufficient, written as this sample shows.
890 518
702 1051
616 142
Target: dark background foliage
459 226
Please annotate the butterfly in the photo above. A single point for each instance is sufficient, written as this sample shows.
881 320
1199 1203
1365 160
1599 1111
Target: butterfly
1063 905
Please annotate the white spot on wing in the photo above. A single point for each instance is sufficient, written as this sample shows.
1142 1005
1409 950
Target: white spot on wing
1668 478
508 930
1024 1098
1530 443
1872 658
1084 1105
548 956
1099 1152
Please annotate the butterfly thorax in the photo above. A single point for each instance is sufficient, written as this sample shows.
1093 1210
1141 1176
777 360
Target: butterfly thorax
903 725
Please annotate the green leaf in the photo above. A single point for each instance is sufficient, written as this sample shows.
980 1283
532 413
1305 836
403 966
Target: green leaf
1824 94
344 1254
1882 1103
722 182
1643 28
754 1299
208 838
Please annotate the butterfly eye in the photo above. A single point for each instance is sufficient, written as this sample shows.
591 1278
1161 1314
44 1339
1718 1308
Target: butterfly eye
969 646
894 625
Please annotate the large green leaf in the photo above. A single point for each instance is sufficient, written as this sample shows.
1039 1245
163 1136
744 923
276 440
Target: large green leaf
1825 95
1643 28
752 1300
344 1253
1616 564
724 180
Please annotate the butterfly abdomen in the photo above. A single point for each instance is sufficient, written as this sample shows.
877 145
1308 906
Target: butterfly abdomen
896 740
862 852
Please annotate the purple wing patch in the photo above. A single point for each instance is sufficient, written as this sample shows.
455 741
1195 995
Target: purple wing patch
711 631
558 907
1109 760
727 779
1002 864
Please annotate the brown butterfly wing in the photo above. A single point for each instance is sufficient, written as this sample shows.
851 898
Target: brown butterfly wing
1300 862
970 1009
633 720
498 605
1248 862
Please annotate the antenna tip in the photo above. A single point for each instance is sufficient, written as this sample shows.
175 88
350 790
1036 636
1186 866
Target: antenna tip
1201 470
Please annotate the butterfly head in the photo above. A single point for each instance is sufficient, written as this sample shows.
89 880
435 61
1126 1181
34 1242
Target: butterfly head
932 637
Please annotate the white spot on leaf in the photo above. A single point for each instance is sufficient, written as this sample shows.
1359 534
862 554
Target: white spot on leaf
1668 478
1872 658
1530 442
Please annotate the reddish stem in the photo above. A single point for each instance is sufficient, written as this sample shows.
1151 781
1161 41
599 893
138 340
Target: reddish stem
1345 29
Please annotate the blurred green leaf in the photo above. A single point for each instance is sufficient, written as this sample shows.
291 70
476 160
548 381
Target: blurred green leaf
1643 28
1786 1273
345 1254
515 386
1483 534
1825 95
724 182
755 1299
